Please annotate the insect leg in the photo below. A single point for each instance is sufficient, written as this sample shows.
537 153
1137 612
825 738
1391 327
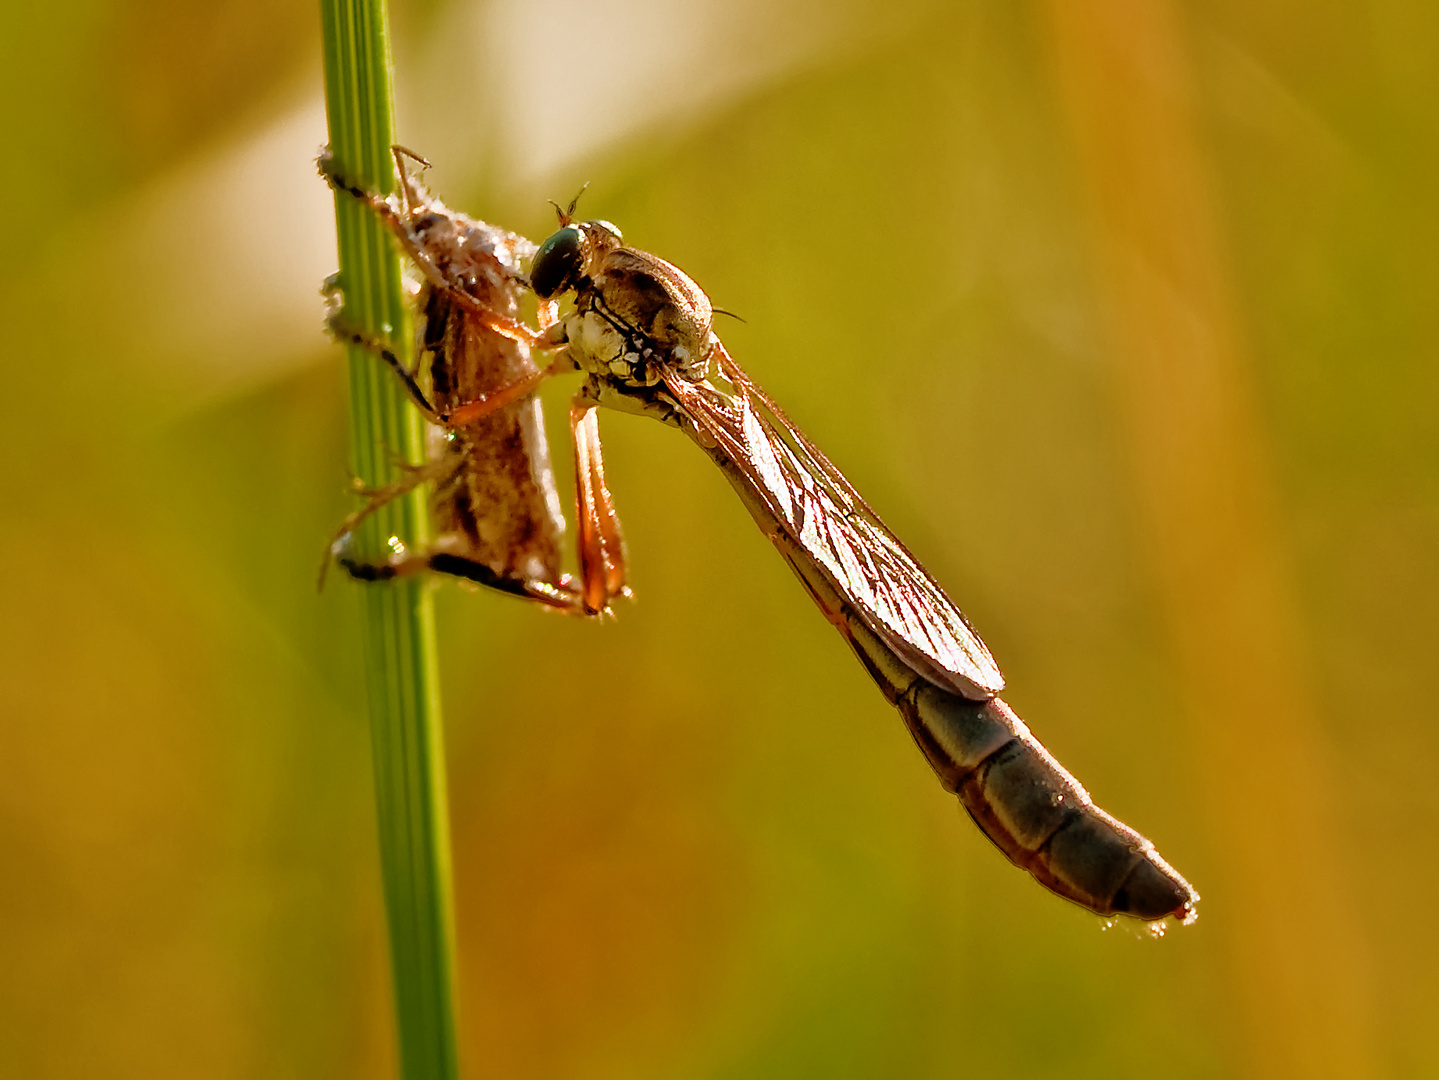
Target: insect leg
601 546
466 413
408 188
414 476
383 208
378 204
480 407
453 564
353 335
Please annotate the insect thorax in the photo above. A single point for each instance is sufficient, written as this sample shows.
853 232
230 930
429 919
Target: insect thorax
598 347
601 349
629 334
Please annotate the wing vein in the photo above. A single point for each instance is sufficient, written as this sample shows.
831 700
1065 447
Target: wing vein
844 538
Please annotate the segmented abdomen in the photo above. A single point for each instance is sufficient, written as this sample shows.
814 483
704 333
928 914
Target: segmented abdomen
1036 812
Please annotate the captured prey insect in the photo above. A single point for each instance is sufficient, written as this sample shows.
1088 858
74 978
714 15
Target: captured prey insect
495 507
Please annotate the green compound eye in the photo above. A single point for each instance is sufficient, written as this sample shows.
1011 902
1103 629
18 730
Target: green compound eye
558 263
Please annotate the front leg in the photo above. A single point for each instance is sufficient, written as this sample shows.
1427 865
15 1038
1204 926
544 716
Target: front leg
350 334
468 412
600 542
401 225
478 408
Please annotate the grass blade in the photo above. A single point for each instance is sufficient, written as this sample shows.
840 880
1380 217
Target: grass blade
399 637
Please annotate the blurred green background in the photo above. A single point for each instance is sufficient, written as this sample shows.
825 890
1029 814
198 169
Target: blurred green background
1122 313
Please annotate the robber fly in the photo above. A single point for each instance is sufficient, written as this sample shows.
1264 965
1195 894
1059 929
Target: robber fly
640 330
495 508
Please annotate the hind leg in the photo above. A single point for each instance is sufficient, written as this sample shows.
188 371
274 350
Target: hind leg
562 597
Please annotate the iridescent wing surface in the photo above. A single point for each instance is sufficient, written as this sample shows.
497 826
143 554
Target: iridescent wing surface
848 543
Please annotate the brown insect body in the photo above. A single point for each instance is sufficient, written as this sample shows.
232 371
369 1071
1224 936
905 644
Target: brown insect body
495 509
495 500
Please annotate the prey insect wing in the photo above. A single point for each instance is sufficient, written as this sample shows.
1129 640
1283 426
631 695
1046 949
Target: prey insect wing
845 539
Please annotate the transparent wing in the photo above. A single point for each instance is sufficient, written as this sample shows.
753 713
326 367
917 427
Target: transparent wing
837 530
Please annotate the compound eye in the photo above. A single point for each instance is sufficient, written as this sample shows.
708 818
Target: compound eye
558 263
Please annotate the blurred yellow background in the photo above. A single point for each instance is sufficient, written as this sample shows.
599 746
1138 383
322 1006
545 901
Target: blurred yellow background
1121 313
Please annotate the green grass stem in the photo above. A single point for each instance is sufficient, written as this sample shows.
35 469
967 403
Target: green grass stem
399 634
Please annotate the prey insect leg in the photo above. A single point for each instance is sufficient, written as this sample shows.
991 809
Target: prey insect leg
441 559
399 224
469 412
414 476
461 566
409 190
353 335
